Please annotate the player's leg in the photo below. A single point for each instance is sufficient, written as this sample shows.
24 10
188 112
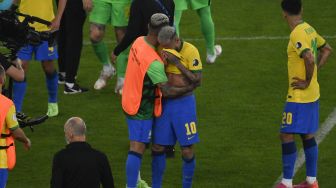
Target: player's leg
177 20
120 16
47 55
19 88
208 30
289 154
292 123
139 135
180 6
163 135
3 177
309 143
189 165
99 17
158 165
311 154
185 128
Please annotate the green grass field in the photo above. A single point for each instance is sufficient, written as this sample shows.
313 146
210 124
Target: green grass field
239 105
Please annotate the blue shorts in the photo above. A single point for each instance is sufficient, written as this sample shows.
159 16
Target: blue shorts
140 130
177 122
300 118
41 52
3 177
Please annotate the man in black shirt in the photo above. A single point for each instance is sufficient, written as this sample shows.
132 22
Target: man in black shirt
79 165
140 14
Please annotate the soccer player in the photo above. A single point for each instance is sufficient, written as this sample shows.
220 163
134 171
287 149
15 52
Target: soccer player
9 129
202 8
307 52
178 120
46 54
105 12
140 14
145 83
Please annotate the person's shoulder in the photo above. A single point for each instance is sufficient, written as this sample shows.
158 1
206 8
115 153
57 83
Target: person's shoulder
99 153
189 46
60 153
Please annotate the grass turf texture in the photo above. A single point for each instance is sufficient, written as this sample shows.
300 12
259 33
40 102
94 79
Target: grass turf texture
239 105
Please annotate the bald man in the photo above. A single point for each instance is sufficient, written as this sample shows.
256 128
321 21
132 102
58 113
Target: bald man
79 165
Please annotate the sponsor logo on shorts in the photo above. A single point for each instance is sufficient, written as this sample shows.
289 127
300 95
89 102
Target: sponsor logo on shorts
191 137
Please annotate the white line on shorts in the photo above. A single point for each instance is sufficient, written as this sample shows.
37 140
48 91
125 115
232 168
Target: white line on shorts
325 128
244 38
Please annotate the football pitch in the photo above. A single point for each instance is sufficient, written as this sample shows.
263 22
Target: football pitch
239 104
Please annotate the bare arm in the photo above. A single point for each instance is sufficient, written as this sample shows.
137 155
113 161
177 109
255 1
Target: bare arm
20 136
60 10
308 58
324 53
169 91
195 78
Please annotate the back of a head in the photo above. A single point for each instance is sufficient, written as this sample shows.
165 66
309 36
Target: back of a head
292 7
166 35
157 21
76 126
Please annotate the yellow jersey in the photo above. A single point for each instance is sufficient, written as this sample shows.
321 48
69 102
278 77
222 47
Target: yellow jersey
189 57
303 38
43 9
11 124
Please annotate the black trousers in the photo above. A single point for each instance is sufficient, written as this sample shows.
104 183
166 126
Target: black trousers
70 39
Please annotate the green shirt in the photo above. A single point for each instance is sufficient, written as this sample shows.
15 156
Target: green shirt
155 74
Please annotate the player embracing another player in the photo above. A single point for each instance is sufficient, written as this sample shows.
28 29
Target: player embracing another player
307 52
178 119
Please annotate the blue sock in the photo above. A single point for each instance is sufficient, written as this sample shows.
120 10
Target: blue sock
311 151
52 85
133 164
158 168
3 177
288 159
188 171
19 91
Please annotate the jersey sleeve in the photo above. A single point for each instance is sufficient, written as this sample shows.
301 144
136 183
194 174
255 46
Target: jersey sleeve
300 42
194 61
156 72
11 121
321 42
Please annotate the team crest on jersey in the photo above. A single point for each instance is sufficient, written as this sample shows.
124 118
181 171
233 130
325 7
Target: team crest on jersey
298 45
195 62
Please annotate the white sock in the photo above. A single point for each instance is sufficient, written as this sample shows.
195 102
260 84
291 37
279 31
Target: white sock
287 182
107 67
62 73
310 180
69 84
139 177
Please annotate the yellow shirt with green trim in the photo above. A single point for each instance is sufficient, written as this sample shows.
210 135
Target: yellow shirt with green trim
11 124
39 8
189 57
303 38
